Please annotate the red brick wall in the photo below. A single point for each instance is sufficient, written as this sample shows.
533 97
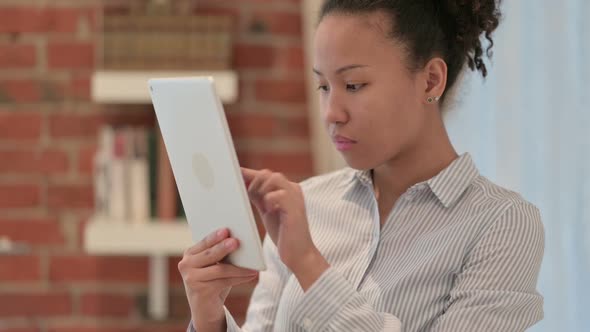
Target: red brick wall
48 128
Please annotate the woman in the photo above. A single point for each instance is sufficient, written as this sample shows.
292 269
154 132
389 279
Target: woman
409 238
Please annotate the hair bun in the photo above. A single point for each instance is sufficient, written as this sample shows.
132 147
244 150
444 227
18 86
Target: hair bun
472 18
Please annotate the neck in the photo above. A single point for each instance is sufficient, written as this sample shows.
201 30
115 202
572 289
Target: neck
426 158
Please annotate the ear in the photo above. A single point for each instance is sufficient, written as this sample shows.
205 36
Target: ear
434 79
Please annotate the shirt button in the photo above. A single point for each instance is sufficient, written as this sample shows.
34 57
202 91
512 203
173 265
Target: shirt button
307 323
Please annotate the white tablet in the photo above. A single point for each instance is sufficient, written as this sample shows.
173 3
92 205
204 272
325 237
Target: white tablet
205 165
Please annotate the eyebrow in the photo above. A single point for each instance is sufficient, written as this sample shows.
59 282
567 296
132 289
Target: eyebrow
340 70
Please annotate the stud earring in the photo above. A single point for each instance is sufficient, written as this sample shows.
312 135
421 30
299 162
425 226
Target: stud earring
430 100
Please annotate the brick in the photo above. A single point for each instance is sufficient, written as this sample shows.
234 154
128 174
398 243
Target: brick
252 125
212 8
70 196
98 268
289 163
178 305
19 196
290 58
74 125
276 23
75 89
17 56
48 161
20 329
28 19
174 277
39 231
248 56
286 91
92 15
20 125
19 268
86 159
252 56
72 55
296 127
81 229
42 304
78 88
65 20
20 91
21 19
106 305
116 9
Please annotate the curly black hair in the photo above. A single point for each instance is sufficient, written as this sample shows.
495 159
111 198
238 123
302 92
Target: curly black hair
450 29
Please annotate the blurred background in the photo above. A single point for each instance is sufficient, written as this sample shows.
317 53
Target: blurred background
85 245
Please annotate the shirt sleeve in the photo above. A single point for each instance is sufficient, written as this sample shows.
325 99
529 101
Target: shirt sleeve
496 289
232 326
333 304
264 302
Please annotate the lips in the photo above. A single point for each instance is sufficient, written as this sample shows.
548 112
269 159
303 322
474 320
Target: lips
343 143
342 139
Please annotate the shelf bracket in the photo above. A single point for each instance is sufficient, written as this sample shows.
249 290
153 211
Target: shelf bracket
158 287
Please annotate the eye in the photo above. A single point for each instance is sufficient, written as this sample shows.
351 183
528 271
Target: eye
355 87
323 88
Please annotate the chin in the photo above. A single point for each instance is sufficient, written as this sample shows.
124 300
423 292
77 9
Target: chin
359 163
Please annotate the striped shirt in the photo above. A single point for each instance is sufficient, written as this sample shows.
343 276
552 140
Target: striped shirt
456 253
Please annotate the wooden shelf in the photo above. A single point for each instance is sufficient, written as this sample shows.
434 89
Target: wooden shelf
156 239
130 87
110 237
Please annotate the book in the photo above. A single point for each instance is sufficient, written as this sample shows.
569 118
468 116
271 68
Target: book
167 199
133 178
166 41
138 175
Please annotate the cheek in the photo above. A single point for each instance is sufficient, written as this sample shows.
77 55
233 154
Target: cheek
391 124
323 111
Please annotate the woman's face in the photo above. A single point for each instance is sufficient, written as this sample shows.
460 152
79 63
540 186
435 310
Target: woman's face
370 101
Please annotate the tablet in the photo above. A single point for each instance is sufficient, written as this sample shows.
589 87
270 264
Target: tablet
205 165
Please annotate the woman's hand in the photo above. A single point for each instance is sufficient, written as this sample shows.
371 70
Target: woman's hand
207 282
281 206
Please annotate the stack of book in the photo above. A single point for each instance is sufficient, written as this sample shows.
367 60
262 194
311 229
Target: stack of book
133 180
167 42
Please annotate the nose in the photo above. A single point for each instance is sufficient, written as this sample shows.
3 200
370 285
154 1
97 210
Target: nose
334 110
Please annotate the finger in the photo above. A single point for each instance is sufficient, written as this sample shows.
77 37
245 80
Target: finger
208 241
258 180
216 253
274 182
248 174
275 201
253 189
229 282
224 271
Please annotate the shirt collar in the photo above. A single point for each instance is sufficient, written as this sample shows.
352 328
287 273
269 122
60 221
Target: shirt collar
451 182
447 186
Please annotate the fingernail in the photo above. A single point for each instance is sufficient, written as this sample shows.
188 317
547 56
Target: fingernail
229 243
220 232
